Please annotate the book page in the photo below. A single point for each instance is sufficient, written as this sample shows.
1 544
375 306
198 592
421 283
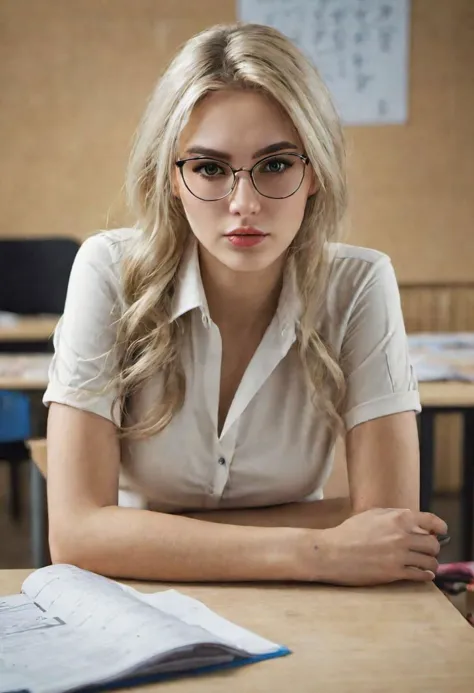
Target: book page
18 614
109 633
194 612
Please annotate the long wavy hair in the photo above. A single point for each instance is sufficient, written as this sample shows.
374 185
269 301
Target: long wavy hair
237 56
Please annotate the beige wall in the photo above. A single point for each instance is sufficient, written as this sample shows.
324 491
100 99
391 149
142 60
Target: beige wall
75 75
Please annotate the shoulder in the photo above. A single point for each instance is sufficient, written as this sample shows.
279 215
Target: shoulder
357 277
96 275
351 268
349 263
109 246
101 255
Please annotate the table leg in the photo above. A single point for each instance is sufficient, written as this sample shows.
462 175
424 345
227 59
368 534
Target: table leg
38 518
426 430
467 491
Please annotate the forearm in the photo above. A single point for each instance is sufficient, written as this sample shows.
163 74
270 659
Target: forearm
321 514
141 544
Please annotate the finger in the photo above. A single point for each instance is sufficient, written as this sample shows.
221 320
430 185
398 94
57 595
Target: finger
431 523
416 575
422 561
424 543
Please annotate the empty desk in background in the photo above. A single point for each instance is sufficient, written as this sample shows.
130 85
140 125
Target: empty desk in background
29 373
28 328
454 397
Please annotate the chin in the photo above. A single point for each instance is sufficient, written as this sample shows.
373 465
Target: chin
248 260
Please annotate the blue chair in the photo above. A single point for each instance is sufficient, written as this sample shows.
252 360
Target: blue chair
34 275
15 428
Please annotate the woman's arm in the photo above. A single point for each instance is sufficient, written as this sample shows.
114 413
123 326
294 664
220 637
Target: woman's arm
383 463
88 529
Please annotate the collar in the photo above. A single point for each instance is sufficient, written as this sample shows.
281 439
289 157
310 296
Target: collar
189 289
190 292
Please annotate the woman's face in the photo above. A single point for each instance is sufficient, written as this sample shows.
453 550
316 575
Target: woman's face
245 230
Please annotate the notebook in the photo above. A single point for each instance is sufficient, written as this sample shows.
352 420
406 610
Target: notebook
70 629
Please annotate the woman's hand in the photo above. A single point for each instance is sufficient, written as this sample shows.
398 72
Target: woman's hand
374 547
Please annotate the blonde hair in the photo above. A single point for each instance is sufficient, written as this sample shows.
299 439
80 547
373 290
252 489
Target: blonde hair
222 57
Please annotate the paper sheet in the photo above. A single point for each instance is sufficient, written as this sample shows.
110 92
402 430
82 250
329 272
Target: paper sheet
360 47
442 356
18 614
195 613
108 632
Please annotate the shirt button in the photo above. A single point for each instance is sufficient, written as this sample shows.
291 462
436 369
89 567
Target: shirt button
221 461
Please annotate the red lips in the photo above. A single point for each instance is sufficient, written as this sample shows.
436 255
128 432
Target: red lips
246 237
246 231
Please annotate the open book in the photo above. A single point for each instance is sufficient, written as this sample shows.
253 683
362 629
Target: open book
71 629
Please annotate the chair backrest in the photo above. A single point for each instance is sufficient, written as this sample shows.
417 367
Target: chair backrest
14 417
34 274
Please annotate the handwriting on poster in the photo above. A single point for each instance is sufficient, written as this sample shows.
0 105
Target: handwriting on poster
360 47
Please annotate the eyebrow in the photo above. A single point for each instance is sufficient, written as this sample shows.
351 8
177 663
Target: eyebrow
217 154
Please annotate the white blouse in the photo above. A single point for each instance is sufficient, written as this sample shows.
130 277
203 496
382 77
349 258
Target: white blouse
274 447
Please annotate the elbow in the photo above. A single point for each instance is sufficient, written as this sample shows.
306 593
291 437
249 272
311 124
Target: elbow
64 547
71 543
62 550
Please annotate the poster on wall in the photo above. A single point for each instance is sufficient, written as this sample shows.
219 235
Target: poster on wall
360 47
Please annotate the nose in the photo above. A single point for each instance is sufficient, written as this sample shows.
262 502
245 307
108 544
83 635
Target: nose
244 198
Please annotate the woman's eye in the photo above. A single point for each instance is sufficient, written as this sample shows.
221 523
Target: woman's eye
209 169
276 166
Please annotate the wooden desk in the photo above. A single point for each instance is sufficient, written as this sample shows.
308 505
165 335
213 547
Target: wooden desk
24 371
436 398
447 394
400 638
29 329
29 373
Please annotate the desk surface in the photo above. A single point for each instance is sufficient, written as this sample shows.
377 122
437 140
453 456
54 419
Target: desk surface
29 329
24 371
447 394
400 638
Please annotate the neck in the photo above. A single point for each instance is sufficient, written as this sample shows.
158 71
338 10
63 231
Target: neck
237 300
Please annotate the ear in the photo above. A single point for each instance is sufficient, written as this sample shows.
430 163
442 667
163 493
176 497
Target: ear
175 183
314 184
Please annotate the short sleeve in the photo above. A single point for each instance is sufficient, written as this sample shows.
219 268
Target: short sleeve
83 368
374 354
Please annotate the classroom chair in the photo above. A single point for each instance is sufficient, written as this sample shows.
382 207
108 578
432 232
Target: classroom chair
14 430
34 275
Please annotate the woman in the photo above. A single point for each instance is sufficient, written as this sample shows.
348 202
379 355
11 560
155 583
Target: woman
207 359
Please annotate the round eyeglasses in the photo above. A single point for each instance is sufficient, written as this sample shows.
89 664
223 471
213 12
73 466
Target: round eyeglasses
276 176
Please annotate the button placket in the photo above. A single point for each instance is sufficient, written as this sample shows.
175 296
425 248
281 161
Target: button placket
225 449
